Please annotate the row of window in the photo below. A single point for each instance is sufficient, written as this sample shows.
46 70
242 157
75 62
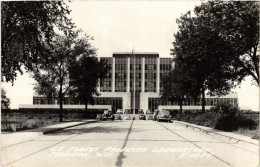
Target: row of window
139 67
153 103
116 102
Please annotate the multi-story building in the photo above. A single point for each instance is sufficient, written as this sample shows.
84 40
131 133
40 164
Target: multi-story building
134 82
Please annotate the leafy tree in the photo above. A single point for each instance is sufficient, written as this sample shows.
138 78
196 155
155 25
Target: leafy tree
5 101
27 29
178 86
237 24
204 57
85 75
53 79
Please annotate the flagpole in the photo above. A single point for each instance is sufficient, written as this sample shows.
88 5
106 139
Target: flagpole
134 82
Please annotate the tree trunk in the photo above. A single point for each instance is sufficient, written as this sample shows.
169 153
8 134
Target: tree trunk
180 103
86 109
61 107
203 100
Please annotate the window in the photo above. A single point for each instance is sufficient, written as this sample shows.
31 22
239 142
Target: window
121 75
120 84
151 67
106 84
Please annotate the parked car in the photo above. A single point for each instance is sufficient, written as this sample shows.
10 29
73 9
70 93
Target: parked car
119 111
149 111
156 112
127 117
99 117
142 117
164 115
127 111
118 117
108 115
150 117
140 111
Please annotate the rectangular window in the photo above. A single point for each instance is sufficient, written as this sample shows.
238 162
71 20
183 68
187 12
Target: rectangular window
120 84
150 67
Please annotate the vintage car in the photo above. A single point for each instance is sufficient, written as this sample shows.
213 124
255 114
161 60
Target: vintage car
142 117
108 115
118 117
164 115
99 117
150 117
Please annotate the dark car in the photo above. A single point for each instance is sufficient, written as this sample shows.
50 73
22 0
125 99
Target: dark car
150 117
142 117
164 115
108 115
118 117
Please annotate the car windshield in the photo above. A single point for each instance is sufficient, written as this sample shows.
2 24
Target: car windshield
165 112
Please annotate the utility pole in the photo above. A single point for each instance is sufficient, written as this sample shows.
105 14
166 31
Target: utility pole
134 82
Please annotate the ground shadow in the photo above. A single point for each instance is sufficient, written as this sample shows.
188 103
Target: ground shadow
86 129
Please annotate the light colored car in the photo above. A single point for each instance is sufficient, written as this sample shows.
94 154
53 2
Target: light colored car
118 117
119 111
164 115
99 117
127 117
156 112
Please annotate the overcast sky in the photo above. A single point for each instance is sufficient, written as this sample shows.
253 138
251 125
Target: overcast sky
146 26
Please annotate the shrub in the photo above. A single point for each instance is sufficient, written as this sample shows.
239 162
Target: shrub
232 118
225 108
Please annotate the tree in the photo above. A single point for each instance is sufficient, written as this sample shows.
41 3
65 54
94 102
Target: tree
5 101
174 88
237 24
53 79
203 56
85 75
27 29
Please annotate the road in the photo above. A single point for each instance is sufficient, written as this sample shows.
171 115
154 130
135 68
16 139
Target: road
130 144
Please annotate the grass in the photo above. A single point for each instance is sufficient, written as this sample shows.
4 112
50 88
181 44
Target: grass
254 134
236 123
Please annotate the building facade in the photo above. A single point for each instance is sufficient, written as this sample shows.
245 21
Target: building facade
134 83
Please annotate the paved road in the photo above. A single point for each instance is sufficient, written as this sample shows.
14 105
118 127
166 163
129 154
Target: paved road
130 144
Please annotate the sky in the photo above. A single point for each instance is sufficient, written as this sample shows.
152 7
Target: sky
117 26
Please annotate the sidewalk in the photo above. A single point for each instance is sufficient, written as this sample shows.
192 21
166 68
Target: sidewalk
8 139
232 138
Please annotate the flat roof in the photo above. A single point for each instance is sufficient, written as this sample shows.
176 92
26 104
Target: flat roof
128 54
135 53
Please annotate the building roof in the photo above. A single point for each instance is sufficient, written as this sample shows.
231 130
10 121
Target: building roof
137 53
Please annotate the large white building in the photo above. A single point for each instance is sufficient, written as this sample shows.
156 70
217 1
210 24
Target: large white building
134 82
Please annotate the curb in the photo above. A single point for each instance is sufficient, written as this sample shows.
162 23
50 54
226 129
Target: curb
215 134
38 134
58 129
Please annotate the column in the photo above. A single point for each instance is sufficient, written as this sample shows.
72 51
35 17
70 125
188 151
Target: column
143 75
158 75
98 87
113 74
128 75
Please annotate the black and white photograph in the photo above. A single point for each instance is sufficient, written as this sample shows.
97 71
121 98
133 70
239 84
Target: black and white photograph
130 83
